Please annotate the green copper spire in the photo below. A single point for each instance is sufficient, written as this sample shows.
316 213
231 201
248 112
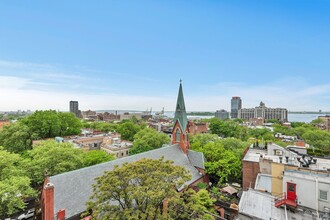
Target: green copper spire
180 111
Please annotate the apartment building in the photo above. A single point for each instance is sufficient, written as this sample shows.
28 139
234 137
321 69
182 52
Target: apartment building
262 111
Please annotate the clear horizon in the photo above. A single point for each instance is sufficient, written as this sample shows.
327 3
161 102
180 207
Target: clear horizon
131 55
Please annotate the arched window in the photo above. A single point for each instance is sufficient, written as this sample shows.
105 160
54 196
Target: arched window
177 135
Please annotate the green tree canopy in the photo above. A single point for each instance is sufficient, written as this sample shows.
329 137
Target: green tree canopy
227 128
14 184
148 139
127 130
261 133
318 138
95 157
50 123
191 205
53 157
223 156
16 138
136 190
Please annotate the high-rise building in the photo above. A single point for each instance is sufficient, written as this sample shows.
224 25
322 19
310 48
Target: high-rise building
236 105
264 112
221 114
74 107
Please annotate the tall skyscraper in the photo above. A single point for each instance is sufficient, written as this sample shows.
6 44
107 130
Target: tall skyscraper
236 104
74 107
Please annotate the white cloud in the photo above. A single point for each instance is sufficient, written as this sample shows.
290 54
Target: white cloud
44 86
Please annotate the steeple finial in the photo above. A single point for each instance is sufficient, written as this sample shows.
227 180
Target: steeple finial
180 81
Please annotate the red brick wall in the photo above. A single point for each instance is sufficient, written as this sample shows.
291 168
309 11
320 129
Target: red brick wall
250 171
48 202
183 143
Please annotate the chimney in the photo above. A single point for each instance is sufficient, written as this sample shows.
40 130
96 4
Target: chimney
48 201
61 214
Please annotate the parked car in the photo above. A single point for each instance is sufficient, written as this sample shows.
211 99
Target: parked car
27 215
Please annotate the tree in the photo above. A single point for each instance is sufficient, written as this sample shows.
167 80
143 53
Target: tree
318 138
12 193
53 157
16 138
317 121
199 140
127 130
223 156
148 139
14 184
276 121
261 133
95 157
50 123
227 128
69 124
136 190
191 205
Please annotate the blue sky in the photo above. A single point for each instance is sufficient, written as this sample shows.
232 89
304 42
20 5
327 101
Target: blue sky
132 54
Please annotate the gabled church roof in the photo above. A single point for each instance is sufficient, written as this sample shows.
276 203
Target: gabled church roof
73 189
180 111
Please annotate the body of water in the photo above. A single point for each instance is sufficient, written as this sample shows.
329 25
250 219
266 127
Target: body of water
303 117
292 117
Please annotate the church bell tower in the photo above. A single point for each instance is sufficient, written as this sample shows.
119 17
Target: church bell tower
180 129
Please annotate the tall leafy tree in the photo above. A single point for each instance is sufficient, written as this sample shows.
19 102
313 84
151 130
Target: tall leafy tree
16 138
95 157
14 184
191 205
50 123
128 129
55 158
136 190
148 139
223 156
69 124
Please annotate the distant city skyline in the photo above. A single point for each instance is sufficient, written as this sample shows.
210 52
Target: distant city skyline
131 55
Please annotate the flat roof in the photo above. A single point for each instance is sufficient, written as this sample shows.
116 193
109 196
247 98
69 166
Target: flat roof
260 205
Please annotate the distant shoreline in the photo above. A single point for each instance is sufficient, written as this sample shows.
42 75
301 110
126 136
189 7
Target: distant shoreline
305 112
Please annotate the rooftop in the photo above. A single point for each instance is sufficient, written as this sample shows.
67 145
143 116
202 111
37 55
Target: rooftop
275 153
73 189
260 205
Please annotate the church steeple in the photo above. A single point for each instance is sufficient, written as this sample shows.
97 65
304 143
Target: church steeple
180 111
180 128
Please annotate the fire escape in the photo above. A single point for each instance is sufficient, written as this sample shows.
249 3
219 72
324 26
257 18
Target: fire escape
283 199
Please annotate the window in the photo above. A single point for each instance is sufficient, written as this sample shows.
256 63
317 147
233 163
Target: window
291 187
177 135
323 195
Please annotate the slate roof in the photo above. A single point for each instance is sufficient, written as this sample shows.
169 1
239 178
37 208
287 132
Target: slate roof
197 159
73 189
180 111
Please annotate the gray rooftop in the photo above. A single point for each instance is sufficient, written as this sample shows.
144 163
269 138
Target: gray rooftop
197 159
74 188
260 205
